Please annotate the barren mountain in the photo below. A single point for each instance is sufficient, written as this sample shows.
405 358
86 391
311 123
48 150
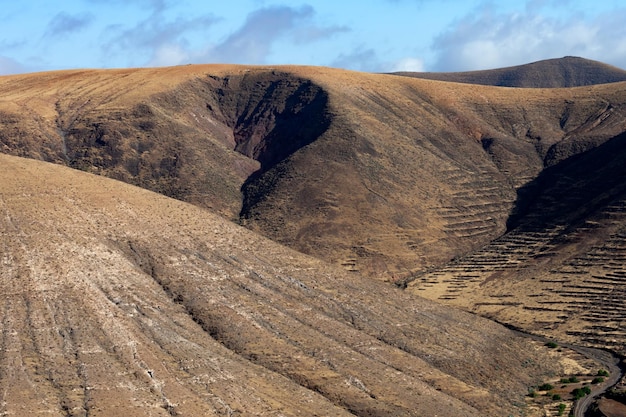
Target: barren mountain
550 73
119 301
384 175
507 202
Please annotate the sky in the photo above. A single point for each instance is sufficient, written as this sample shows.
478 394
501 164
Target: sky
363 35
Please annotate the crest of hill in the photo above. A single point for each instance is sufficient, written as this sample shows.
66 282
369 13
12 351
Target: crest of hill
118 301
551 73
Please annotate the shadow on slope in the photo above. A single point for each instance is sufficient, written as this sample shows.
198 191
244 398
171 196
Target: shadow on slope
197 140
272 115
560 270
384 175
567 193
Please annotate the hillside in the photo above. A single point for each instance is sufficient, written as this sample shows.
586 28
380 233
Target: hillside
503 201
384 175
118 301
560 269
551 73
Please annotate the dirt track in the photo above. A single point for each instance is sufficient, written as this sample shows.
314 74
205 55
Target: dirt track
611 362
607 359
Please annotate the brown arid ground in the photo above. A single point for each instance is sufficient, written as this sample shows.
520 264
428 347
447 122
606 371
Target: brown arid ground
559 271
612 408
507 202
119 301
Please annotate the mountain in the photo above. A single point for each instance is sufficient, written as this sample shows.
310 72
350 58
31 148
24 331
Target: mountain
560 269
551 73
119 301
384 175
506 202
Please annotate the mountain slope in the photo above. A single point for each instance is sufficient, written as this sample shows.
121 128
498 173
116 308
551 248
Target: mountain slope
551 73
116 300
384 175
559 270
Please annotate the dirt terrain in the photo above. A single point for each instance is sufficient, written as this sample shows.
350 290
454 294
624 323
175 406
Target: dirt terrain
506 202
116 300
382 174
560 270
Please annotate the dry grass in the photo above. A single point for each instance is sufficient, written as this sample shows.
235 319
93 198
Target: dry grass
407 174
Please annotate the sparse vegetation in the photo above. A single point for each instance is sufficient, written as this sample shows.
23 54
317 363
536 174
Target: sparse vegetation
579 393
570 380
552 345
545 387
561 409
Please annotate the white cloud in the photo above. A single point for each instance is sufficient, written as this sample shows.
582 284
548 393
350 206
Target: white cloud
253 42
408 65
168 55
489 40
160 41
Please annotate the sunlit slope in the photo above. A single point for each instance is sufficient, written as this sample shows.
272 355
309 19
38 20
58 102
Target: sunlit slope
384 175
413 172
116 300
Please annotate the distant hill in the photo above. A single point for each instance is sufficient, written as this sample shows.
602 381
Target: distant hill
551 73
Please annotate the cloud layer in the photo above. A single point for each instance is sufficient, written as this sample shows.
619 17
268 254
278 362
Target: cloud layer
254 40
489 39
64 24
375 36
163 41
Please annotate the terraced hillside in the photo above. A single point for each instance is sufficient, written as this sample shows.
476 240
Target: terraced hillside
384 175
561 269
118 301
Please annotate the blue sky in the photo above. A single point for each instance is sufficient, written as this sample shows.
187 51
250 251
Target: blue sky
365 35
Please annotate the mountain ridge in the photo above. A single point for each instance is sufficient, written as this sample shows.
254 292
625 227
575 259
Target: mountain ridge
174 131
563 72
505 202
